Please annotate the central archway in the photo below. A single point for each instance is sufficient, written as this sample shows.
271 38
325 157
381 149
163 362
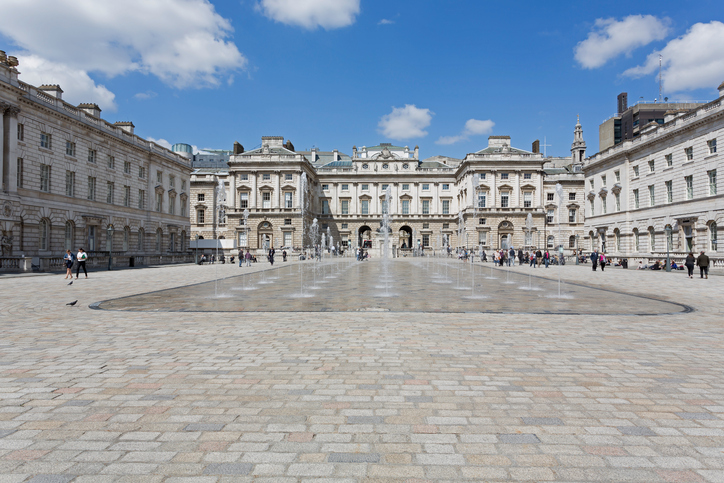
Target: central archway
364 237
405 237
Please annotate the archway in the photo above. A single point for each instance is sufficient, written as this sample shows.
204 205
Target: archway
405 237
265 236
364 237
505 234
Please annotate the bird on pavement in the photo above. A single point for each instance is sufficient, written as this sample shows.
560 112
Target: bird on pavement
72 303
71 283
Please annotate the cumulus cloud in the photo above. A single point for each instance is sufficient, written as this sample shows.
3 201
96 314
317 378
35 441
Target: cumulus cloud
405 122
310 14
694 60
185 43
473 127
611 38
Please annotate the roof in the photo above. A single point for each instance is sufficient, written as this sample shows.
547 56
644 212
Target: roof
324 158
381 146
347 163
284 151
499 150
429 163
210 170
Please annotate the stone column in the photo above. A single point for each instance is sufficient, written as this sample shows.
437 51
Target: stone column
493 189
518 194
234 193
253 195
354 201
277 200
4 168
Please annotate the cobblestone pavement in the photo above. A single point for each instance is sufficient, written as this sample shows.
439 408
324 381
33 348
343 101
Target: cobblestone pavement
103 396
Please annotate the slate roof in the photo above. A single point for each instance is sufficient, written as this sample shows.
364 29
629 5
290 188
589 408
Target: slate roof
499 150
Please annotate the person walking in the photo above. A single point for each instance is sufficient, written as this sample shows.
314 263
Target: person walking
247 257
82 256
68 258
703 262
520 256
271 255
594 259
511 257
538 258
602 261
547 258
690 262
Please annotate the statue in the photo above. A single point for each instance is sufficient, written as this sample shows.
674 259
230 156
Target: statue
6 242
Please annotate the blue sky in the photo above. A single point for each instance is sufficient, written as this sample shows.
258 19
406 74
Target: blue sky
338 73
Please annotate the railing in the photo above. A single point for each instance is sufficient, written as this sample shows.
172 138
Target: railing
98 260
10 264
715 262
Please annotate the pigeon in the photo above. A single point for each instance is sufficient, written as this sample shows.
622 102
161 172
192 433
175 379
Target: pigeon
72 303
71 283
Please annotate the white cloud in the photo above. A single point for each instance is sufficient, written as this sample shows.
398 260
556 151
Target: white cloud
310 14
142 96
405 122
611 38
694 60
385 21
473 127
161 142
182 42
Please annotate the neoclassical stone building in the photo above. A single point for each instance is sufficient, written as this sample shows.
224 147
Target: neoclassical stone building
274 193
71 179
659 190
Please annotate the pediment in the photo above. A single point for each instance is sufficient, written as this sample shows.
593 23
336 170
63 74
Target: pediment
288 187
528 186
505 186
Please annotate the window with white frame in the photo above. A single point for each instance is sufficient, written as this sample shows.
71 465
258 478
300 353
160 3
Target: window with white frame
91 188
288 176
549 216
365 187
669 191
266 200
571 215
483 238
111 162
572 196
142 172
712 181
617 174
325 207
126 196
504 199
345 187
425 186
365 207
46 140
550 196
604 205
527 199
287 238
127 167
445 186
159 177
344 207
385 207
288 196
425 207
652 240
405 187
325 187
183 185
652 166
689 187
69 236
110 187
445 207
44 235
689 153
617 198
171 181
70 148
266 176
159 202
636 171
527 175
713 237
243 200
636 198
592 206
92 155
142 199
637 240
711 144
603 180
482 221
69 183
503 175
243 177
45 178
652 195
200 214
482 199
19 173
405 207
669 160
21 132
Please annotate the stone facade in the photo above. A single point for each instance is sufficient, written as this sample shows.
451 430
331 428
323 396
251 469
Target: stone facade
659 191
71 179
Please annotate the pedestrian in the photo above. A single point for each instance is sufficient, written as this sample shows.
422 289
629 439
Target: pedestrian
511 257
241 257
594 259
82 256
247 257
538 258
520 256
703 262
271 255
68 257
547 258
690 262
284 254
602 261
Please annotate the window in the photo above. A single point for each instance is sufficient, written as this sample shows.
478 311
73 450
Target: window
325 187
287 221
365 207
571 215
21 132
159 202
91 188
183 185
590 181
159 177
689 187
689 152
503 175
527 199
142 199
183 212
528 238
266 200
405 207
592 207
652 240
345 187
617 234
504 198
551 241
46 140
287 199
482 198
69 236
549 216
425 226
483 238
171 205
141 172
141 237
244 177
126 196
384 187
482 221
445 207
69 183
171 181
200 213
711 144
617 174
365 187
345 226
287 238
637 241
288 176
243 200
712 181
267 177
127 167
669 191
126 237
713 240
111 162
482 175
425 186
652 196
325 207
425 207
604 205
109 196
446 226
636 198
45 178
69 148
572 196
405 187
652 166
44 234
19 173
385 207
527 175
426 240
159 235
636 171
201 197
550 196
445 186
345 207
669 160
92 153
603 180
617 198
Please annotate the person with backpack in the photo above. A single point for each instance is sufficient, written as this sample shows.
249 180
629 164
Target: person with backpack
82 257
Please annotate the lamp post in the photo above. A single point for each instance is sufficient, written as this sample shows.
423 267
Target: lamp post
577 237
668 247
109 232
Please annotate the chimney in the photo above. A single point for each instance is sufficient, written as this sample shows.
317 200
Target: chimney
91 109
52 90
622 102
125 125
354 152
721 89
273 141
417 152
536 146
335 155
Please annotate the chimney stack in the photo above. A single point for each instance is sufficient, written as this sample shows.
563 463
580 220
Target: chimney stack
125 125
536 146
91 109
52 90
721 89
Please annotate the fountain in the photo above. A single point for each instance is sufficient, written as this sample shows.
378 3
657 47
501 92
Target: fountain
528 234
220 210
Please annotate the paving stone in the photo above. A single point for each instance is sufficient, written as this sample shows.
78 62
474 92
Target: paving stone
228 469
542 421
204 427
636 431
518 438
354 458
52 479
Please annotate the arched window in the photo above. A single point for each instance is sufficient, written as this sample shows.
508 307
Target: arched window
126 237
44 229
652 240
713 241
69 235
572 241
617 237
141 236
159 235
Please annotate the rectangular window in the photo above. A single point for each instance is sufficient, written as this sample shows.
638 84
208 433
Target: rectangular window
244 177
425 186
287 221
159 177
590 181
669 160
19 173
482 199
405 207
111 162
243 200
159 202
92 153
636 171
69 148
183 207
549 216
617 174
69 183
91 188
171 205
325 187
425 226
345 207
711 144
288 176
142 172
46 140
365 207
141 199
572 215
527 175
266 200
504 199
266 177
405 187
689 152
446 226
572 196
482 175
287 238
603 180
689 187
712 181
171 181
325 207
550 196
527 199
127 167
365 187
425 207
287 199
482 221
618 201
636 198
200 217
183 185
445 207
445 186
604 205
669 191
45 178
426 240
109 196
483 238
21 132
385 207
384 187
345 187
503 175
592 207
652 196
652 166
201 197
126 196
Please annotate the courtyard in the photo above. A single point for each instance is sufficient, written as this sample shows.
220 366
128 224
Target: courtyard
417 370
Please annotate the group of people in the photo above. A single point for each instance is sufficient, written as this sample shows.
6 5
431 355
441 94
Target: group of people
79 259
